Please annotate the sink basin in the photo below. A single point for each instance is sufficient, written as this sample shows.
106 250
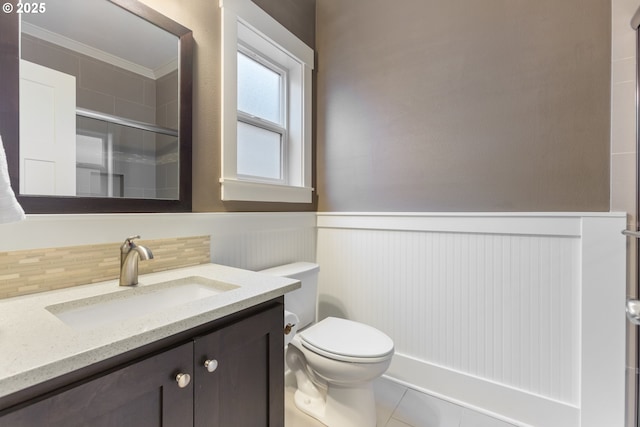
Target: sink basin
92 312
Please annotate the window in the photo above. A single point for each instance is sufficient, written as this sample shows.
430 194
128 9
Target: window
262 111
266 108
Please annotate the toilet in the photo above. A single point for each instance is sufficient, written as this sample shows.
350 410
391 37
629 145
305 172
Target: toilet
334 360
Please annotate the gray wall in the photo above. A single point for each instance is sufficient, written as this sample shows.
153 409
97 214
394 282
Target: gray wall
456 105
99 86
298 16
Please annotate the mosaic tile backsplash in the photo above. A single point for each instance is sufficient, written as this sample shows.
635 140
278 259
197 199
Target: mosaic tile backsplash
39 270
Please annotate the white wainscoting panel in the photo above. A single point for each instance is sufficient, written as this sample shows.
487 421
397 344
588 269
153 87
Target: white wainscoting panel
247 240
257 241
489 316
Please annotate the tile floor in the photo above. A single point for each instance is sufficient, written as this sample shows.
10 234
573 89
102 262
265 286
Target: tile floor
399 406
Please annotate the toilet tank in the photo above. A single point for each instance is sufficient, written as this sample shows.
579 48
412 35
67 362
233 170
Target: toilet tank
302 301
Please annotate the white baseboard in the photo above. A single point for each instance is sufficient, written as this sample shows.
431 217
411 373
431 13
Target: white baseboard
499 401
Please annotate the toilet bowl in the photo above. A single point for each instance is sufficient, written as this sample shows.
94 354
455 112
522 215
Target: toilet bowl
335 360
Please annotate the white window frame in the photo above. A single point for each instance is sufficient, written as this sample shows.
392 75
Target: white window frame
244 23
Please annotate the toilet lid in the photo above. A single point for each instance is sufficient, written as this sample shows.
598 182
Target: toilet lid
341 337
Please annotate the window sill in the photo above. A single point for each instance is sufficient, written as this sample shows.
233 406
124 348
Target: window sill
237 190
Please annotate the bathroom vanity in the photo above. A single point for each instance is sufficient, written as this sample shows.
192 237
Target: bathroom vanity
216 366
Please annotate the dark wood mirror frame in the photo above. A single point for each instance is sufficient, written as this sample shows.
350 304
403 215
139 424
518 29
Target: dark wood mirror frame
10 121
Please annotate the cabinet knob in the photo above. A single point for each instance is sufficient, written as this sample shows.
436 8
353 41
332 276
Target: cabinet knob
183 380
211 364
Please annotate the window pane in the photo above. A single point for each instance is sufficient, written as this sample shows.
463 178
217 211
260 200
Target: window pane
258 152
258 89
91 150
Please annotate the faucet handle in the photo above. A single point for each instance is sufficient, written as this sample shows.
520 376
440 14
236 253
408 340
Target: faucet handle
128 243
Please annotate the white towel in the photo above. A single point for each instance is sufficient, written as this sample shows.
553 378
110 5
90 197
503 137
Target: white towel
10 209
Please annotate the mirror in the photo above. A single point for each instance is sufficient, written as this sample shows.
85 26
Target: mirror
104 108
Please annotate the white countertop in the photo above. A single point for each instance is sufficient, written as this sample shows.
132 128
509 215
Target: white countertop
36 346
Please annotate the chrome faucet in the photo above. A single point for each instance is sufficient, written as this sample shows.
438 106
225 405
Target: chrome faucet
130 253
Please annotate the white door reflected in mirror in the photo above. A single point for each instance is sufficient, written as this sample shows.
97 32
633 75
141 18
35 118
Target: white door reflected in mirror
47 131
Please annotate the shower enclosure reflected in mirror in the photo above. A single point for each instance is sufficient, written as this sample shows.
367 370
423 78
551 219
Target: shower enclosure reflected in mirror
104 109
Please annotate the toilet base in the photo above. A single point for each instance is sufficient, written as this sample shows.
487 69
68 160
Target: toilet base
352 406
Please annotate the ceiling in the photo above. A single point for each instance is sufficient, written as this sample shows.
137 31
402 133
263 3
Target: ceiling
104 27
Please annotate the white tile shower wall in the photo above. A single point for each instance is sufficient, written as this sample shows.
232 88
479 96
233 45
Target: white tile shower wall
484 309
623 157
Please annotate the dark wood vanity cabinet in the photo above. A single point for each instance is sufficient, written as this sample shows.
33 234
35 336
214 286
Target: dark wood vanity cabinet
142 394
242 384
246 385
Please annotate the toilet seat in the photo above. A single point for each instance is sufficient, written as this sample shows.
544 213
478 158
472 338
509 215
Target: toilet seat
347 341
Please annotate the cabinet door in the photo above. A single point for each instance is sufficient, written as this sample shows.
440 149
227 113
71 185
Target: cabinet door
143 394
247 387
